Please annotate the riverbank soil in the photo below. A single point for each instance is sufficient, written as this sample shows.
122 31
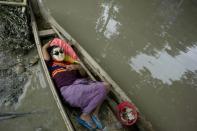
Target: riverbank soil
26 102
15 43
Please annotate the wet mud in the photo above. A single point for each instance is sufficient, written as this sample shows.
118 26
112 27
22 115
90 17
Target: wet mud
26 102
15 43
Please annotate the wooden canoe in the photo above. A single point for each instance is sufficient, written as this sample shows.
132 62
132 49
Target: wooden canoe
44 28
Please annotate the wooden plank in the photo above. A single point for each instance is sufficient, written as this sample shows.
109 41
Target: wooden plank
24 3
55 95
44 33
142 123
110 117
24 8
106 118
87 57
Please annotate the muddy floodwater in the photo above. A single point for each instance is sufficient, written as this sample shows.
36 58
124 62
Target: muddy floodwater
148 47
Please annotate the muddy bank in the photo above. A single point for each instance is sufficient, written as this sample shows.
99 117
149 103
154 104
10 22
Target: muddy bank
23 86
36 103
15 43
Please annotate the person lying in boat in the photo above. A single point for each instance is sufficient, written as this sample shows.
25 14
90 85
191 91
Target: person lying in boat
76 90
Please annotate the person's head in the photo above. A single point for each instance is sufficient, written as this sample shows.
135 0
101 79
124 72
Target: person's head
57 53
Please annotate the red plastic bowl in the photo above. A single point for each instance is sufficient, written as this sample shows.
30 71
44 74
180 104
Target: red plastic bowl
122 113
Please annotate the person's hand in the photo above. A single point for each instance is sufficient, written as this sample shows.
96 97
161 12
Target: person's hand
45 52
47 45
72 67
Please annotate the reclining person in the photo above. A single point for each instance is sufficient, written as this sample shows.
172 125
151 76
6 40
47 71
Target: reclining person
76 90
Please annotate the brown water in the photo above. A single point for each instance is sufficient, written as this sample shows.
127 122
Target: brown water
36 98
148 47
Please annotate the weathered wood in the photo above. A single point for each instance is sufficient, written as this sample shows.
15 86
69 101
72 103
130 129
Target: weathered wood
44 33
110 116
24 3
55 95
142 123
87 57
24 8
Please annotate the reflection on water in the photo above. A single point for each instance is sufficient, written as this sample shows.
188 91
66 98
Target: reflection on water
168 11
165 67
107 24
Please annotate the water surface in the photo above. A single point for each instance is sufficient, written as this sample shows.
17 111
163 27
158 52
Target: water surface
148 47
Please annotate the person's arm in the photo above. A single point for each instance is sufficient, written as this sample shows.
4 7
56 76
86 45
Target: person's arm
82 71
77 67
45 52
